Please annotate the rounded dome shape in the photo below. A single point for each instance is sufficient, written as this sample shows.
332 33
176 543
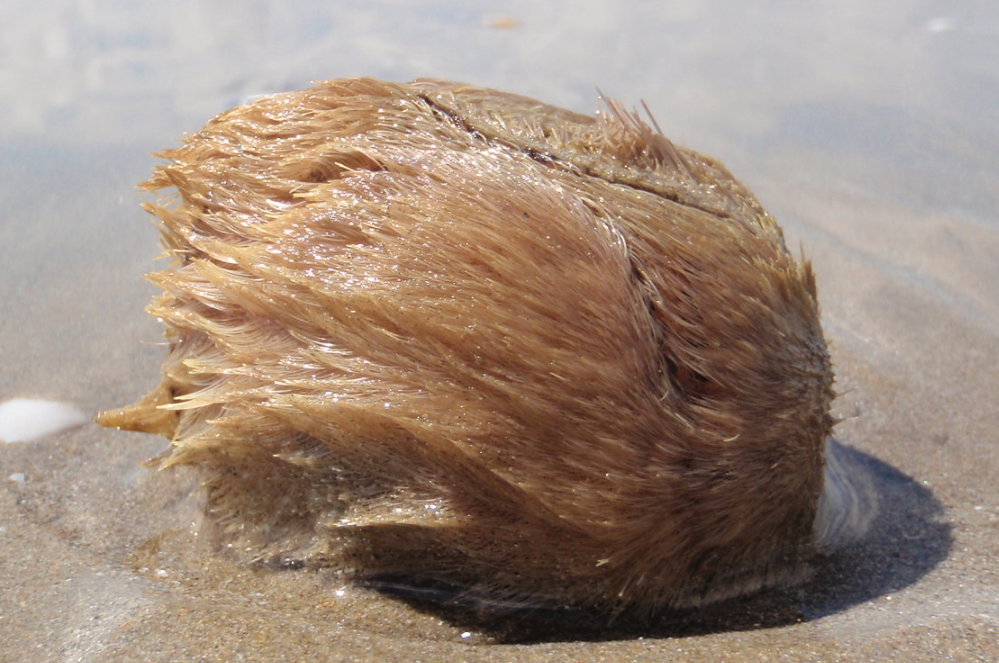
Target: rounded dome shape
439 332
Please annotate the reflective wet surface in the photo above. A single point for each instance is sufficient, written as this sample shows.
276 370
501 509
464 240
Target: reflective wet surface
871 132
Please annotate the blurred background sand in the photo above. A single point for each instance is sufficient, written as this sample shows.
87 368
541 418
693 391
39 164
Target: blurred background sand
871 130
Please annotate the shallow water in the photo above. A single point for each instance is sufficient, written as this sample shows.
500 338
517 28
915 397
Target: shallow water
872 134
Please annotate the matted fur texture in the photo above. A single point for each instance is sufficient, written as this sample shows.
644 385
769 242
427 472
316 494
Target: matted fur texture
434 331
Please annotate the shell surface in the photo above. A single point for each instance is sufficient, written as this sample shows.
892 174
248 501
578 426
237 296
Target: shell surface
435 331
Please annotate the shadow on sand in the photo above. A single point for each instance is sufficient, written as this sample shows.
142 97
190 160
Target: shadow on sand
906 540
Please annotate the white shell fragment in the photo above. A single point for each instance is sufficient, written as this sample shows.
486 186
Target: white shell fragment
26 419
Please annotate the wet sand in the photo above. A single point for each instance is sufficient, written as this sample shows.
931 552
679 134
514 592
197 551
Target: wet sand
873 138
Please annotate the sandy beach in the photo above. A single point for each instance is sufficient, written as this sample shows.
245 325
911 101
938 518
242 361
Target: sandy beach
872 134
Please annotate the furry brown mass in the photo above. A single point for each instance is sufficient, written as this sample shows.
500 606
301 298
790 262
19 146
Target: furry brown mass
435 331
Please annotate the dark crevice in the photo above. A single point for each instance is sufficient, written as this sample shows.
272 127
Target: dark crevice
549 159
